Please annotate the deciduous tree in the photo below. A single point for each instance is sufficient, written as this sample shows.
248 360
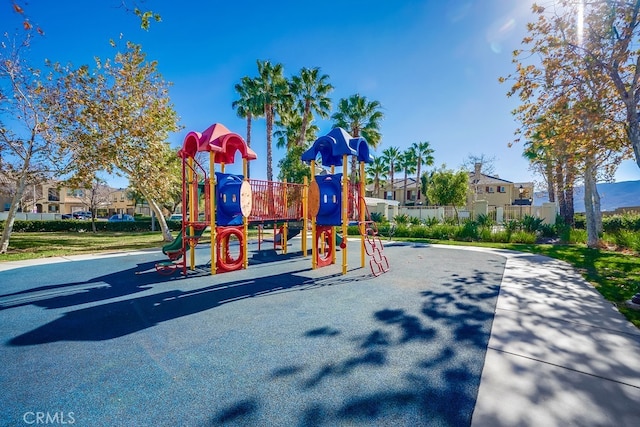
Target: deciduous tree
448 188
29 148
118 118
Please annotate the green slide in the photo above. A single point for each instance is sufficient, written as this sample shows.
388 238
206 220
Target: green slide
173 248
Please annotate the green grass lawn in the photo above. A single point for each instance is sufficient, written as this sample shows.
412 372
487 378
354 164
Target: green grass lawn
616 275
40 245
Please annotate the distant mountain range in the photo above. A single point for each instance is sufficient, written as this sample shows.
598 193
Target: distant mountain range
612 196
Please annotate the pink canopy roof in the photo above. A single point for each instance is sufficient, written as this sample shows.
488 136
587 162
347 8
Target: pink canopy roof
219 140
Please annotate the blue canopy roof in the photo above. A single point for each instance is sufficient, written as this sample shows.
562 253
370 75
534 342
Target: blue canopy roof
336 144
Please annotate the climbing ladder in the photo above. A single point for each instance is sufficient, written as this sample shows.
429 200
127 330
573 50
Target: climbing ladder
372 244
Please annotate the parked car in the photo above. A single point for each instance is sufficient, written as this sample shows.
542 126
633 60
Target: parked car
175 217
82 215
120 218
67 216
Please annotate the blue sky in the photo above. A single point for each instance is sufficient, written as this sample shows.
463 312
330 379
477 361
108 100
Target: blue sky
432 64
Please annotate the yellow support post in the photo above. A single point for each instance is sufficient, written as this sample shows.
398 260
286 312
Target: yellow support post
212 209
305 214
361 217
345 211
333 230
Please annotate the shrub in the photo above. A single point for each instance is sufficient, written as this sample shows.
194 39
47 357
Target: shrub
523 237
624 239
401 219
378 217
500 237
414 220
531 224
39 226
485 235
548 230
615 223
484 221
577 236
468 232
401 230
442 231
431 221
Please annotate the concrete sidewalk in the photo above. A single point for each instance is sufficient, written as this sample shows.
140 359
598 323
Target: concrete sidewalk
559 353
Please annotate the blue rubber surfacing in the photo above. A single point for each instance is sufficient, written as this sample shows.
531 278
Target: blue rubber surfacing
276 344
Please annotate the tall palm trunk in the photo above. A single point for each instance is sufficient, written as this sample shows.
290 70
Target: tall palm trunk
404 196
268 113
418 180
548 170
305 123
249 117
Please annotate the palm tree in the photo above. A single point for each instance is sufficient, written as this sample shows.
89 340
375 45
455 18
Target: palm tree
288 131
408 164
310 90
361 118
391 156
246 106
377 172
272 93
424 155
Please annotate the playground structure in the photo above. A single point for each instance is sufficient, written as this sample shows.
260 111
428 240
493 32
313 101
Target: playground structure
334 202
232 202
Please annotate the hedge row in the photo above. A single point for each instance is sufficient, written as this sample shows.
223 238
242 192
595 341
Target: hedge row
39 226
613 223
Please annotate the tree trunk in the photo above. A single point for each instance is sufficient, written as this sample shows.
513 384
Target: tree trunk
598 209
354 169
559 182
634 137
418 181
248 139
548 169
166 233
404 196
269 117
15 201
568 197
11 217
305 124
589 185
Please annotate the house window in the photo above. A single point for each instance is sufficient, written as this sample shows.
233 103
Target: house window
502 189
490 189
52 195
388 195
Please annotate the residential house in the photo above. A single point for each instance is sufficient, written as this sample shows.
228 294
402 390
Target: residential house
405 193
50 197
497 192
